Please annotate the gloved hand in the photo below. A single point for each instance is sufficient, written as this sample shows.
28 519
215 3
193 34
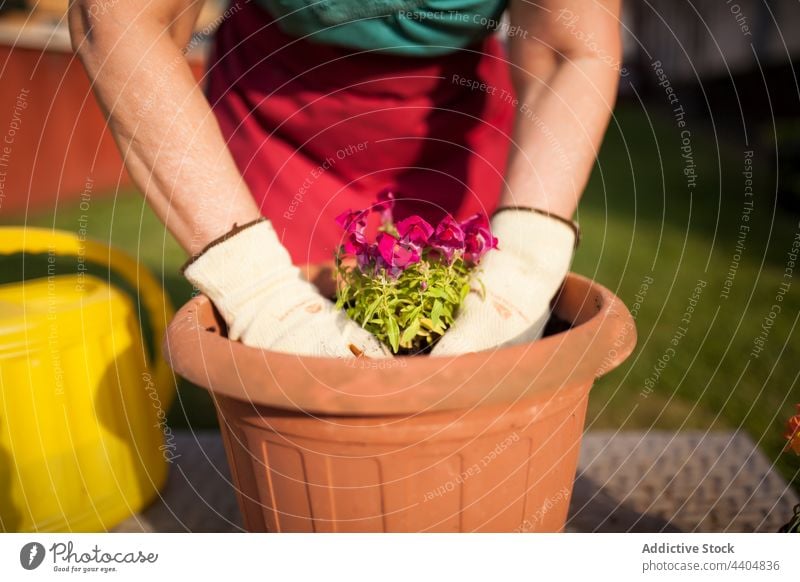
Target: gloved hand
249 277
520 278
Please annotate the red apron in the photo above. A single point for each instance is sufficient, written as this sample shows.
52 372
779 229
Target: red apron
317 129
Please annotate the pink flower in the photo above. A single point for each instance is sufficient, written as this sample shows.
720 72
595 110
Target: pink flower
353 220
412 239
415 230
385 205
478 239
354 224
396 253
448 238
354 242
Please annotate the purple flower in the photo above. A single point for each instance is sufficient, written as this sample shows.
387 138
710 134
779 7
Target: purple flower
368 259
448 238
385 205
415 230
478 239
397 254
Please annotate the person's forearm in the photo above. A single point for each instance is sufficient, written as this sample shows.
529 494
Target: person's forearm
565 70
162 123
557 134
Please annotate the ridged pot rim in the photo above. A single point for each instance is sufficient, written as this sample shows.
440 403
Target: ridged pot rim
602 337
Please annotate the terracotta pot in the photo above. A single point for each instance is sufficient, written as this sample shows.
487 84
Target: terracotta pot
480 442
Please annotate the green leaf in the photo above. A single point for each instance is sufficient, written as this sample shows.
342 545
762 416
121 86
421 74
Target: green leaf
436 292
436 313
410 333
371 309
393 331
464 292
412 315
447 316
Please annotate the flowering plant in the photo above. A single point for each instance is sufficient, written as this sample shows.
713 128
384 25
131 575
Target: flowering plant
792 435
406 286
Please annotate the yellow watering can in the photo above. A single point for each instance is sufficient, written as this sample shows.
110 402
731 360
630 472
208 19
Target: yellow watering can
83 435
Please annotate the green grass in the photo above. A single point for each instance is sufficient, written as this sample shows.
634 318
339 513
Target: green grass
639 220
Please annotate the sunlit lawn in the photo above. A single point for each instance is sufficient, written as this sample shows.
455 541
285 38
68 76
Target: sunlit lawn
639 220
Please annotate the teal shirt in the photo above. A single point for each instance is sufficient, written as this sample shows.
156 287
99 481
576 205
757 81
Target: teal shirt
408 27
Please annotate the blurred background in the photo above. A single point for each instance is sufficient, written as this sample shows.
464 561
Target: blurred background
690 216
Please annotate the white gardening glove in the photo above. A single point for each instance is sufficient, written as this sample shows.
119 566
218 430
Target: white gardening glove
520 278
267 304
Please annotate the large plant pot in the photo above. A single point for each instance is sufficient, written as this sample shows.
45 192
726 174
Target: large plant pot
480 442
